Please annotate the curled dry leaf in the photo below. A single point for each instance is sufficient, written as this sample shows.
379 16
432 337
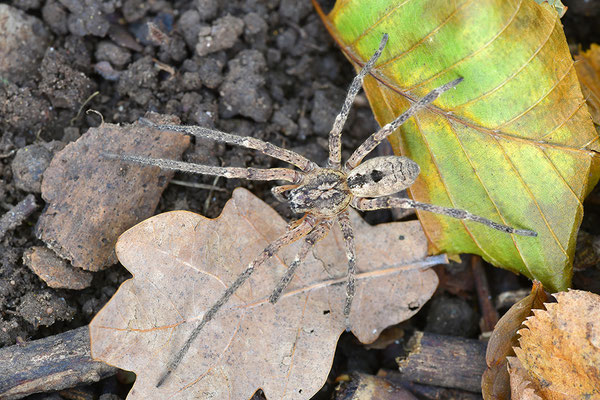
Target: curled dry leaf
560 348
588 69
92 200
521 387
182 262
495 380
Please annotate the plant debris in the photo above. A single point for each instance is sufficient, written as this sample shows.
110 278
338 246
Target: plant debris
560 347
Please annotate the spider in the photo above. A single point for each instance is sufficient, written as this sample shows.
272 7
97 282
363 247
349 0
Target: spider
323 194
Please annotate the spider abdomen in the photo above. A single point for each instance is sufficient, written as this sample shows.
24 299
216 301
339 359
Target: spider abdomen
382 176
323 193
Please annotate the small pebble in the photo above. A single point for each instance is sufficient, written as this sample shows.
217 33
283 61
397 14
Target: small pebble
116 55
28 166
451 316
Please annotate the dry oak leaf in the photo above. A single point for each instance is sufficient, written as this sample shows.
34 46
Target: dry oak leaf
182 262
560 348
495 382
92 200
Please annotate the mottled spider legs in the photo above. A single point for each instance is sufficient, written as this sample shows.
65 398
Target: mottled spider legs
313 237
372 141
348 234
335 143
248 142
256 174
378 203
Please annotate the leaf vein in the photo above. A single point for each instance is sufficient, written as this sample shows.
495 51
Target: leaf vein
564 121
379 21
437 167
508 79
538 101
489 196
430 34
474 53
528 189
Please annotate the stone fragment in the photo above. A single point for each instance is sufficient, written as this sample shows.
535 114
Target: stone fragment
56 272
29 165
22 44
92 199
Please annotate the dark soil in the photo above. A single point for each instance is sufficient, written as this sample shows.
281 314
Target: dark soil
261 68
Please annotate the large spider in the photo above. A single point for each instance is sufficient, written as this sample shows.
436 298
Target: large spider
322 194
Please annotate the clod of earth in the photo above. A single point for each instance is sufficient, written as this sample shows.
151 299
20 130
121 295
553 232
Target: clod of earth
182 262
56 272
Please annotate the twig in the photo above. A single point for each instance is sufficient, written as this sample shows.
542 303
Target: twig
49 364
197 185
490 315
17 214
446 361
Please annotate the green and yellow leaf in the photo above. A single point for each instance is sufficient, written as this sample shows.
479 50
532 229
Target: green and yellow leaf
514 142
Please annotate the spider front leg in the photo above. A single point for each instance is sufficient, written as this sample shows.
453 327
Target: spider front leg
372 141
335 143
365 204
303 228
257 174
244 141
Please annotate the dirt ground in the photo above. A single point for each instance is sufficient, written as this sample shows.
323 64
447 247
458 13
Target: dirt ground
261 68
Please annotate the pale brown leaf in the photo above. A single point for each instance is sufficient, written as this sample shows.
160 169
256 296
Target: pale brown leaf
521 387
495 380
560 348
182 262
92 200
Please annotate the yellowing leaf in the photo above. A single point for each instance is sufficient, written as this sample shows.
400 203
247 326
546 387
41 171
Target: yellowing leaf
560 348
182 262
514 141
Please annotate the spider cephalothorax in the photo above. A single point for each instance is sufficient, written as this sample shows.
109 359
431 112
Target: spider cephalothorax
322 194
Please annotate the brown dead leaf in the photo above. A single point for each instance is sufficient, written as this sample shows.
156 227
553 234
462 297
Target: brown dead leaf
521 387
560 348
92 200
495 380
588 71
181 264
